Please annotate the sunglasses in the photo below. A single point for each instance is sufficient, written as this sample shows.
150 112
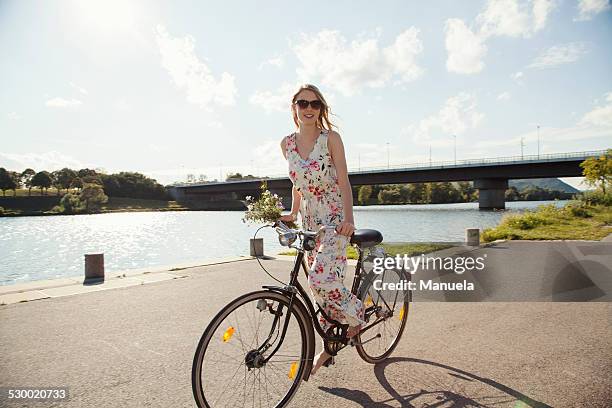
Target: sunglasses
303 104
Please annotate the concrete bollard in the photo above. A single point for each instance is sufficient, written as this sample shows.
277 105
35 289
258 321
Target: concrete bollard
94 266
472 236
257 247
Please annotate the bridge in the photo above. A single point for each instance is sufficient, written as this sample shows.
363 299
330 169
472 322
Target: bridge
490 177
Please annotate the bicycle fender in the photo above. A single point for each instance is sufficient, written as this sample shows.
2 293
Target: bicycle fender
297 302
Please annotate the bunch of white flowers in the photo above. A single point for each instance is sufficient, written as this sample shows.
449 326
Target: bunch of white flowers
268 208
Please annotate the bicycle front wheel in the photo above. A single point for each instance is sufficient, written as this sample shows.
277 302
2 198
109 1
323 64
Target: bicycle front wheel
230 367
386 299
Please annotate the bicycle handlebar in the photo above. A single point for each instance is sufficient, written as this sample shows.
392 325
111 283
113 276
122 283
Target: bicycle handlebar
287 236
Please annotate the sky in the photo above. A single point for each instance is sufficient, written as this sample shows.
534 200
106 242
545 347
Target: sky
197 87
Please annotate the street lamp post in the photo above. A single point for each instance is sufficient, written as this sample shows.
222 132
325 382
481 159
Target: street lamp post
538 141
455 140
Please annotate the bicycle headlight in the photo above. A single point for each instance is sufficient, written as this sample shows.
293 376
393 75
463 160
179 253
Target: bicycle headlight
309 243
287 238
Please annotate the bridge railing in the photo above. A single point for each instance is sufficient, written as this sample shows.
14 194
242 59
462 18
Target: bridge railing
532 158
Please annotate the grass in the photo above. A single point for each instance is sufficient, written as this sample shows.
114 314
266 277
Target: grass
37 204
392 249
575 220
23 192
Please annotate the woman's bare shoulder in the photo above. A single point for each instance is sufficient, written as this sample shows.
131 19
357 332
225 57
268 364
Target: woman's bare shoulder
283 145
333 138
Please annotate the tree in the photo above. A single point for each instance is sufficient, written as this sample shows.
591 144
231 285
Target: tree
16 177
364 194
390 195
512 194
41 179
6 181
418 193
466 190
65 177
55 181
70 203
597 171
93 196
89 176
26 179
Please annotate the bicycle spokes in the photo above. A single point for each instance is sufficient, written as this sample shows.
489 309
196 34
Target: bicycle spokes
237 367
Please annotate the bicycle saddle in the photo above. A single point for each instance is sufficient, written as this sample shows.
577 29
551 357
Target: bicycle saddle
366 238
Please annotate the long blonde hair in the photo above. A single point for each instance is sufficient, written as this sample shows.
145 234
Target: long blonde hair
323 121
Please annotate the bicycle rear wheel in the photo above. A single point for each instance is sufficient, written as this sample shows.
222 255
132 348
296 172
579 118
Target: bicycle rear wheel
228 367
386 299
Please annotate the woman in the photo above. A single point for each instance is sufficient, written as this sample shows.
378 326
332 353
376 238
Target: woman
322 195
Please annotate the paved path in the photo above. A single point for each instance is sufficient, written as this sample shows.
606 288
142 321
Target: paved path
133 347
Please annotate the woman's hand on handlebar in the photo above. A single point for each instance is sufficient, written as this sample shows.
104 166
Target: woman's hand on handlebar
345 228
288 218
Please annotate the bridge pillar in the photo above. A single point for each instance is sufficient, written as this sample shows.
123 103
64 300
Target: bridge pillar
285 194
491 193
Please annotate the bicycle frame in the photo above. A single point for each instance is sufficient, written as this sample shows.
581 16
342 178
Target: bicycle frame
294 290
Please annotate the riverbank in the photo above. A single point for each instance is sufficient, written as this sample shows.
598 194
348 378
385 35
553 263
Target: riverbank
43 205
575 221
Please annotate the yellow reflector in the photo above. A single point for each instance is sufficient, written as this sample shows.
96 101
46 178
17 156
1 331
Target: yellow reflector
401 313
228 334
293 370
368 301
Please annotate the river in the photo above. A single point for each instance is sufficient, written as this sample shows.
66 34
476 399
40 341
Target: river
33 248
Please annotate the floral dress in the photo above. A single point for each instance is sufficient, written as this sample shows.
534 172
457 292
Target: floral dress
315 178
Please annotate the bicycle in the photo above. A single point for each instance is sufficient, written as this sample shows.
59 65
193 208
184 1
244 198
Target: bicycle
240 358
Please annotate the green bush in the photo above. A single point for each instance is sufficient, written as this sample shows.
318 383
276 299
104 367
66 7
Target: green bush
71 204
525 221
596 197
58 209
578 209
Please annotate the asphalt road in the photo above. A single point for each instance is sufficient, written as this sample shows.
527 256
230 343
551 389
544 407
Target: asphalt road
133 347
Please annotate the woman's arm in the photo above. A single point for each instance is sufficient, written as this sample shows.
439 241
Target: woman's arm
336 149
296 196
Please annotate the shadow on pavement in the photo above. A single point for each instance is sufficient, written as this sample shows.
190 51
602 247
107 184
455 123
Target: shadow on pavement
413 382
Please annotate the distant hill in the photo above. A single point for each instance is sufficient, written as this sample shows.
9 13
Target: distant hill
546 183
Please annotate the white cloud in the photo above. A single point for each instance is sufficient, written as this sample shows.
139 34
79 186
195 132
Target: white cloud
514 18
49 161
278 62
63 103
13 116
78 88
465 49
504 96
560 54
600 115
188 72
541 10
327 57
589 8
278 100
458 115
517 75
466 45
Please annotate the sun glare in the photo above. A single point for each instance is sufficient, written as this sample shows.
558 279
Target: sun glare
108 17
